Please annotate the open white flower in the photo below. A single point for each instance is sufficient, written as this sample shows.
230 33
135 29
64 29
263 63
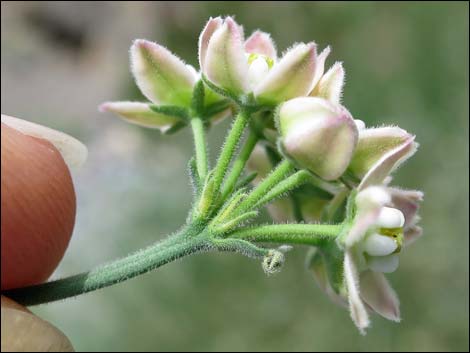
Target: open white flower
384 222
372 245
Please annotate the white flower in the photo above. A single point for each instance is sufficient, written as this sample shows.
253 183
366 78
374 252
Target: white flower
372 245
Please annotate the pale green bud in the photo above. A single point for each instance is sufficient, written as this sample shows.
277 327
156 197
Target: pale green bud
317 135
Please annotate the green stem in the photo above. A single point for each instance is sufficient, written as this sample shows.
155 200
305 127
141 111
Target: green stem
231 142
200 147
239 164
307 234
292 182
279 173
117 271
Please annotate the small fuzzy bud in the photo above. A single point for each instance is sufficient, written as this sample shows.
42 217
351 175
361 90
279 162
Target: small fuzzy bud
273 261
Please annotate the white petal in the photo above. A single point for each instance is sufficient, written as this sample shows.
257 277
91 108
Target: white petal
373 196
258 70
379 245
385 264
379 295
390 218
356 306
73 151
369 202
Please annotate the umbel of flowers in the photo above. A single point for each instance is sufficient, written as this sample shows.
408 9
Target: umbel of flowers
343 161
324 176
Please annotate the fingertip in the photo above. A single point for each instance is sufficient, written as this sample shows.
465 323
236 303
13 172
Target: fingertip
22 331
37 208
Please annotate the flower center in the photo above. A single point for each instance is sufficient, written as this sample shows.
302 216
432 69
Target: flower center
259 66
396 234
254 56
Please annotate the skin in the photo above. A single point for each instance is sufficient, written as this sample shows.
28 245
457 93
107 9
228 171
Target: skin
37 218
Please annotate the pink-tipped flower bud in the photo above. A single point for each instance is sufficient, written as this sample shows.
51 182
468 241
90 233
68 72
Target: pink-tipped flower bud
317 135
161 76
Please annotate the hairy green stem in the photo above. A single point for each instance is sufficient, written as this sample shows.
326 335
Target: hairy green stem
307 234
200 147
190 241
239 164
140 262
279 173
288 184
231 142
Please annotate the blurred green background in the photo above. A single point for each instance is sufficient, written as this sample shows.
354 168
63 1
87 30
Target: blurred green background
406 64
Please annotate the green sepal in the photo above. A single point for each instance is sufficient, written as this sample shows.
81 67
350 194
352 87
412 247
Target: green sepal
233 223
219 90
171 110
194 176
197 101
175 128
246 180
313 191
206 198
351 206
215 108
334 259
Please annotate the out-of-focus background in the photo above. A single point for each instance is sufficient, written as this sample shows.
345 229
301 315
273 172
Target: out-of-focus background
406 64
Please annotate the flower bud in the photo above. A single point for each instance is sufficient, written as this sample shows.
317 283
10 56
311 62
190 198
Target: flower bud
223 60
317 135
291 77
272 263
161 76
140 114
379 152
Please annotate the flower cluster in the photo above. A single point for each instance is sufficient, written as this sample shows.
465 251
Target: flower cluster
296 116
